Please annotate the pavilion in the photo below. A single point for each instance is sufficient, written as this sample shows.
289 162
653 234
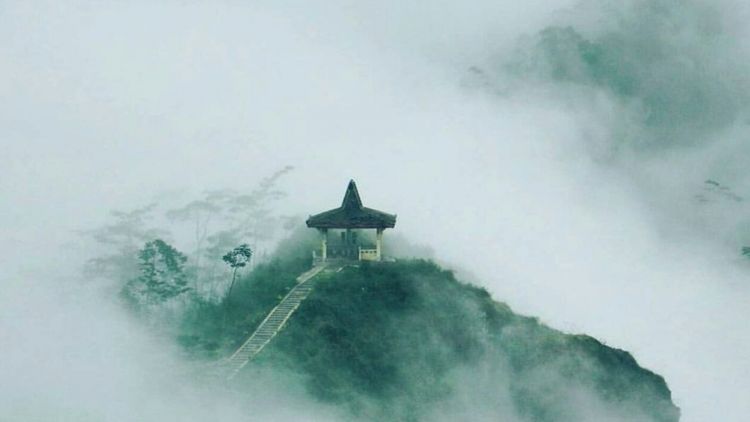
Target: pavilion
341 229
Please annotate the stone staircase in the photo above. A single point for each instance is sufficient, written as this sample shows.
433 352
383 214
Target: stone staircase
271 325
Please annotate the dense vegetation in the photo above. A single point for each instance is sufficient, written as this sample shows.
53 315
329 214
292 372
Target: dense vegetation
400 340
210 328
389 340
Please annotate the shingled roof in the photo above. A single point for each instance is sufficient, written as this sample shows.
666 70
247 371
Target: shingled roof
352 215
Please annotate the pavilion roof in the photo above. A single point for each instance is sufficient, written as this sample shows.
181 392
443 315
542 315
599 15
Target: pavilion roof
352 215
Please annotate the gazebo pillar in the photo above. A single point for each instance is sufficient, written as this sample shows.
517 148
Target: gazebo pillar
379 242
323 244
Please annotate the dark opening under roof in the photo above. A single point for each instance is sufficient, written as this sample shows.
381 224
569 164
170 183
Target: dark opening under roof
352 215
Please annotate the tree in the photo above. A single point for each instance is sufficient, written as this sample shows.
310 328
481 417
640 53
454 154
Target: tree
221 219
236 259
119 241
251 214
200 212
162 275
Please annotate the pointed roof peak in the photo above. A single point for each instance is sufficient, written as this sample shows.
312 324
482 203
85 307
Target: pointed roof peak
352 215
351 197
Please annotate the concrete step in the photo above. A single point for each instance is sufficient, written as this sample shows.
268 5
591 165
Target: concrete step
273 323
262 337
285 309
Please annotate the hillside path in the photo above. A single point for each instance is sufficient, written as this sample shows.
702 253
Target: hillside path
272 324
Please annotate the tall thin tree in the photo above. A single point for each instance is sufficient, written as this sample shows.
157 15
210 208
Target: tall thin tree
236 259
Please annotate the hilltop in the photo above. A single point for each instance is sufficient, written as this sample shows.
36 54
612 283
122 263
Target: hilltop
406 340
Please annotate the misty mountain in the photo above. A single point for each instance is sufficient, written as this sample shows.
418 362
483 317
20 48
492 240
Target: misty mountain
407 340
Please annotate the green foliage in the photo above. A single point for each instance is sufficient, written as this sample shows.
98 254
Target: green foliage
392 341
386 340
239 256
210 329
162 275
359 350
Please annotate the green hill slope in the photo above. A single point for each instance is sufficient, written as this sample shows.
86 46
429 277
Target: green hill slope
407 341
